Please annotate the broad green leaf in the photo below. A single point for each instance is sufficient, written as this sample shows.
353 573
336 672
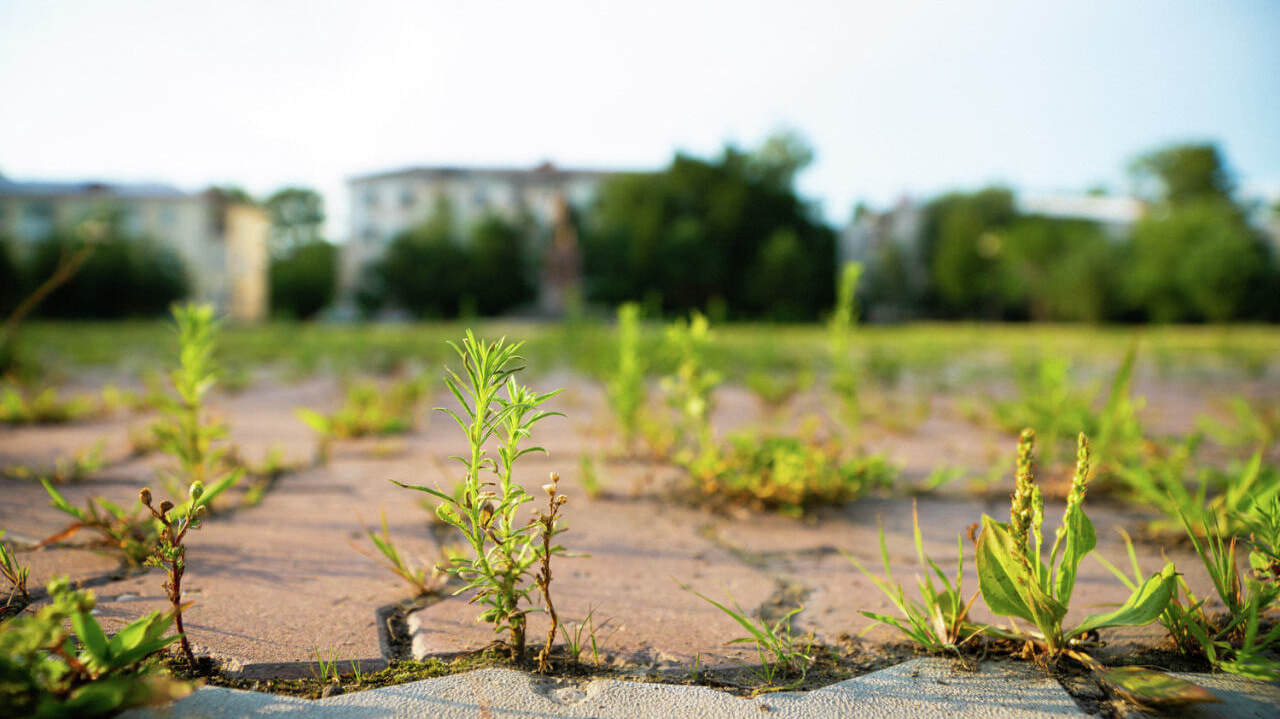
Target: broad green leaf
1153 689
314 420
1143 606
1007 585
1080 539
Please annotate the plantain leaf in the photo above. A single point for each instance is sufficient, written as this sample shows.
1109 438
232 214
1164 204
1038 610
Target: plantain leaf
1007 585
1153 689
1079 541
1146 603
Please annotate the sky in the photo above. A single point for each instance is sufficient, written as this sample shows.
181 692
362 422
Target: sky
901 99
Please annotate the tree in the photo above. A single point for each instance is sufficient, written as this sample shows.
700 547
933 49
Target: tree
1060 269
698 231
1185 173
500 275
964 249
297 215
304 280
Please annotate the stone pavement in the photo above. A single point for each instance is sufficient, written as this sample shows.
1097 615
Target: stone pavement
921 688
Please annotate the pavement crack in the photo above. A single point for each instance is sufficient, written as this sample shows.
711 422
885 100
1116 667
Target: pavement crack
788 594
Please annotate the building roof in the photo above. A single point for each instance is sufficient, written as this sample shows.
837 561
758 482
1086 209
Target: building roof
121 190
1106 209
544 171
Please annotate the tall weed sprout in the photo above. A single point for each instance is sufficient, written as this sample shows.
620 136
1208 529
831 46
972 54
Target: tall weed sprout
689 388
498 410
844 373
626 387
185 432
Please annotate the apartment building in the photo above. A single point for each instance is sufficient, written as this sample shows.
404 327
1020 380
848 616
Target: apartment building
222 244
386 203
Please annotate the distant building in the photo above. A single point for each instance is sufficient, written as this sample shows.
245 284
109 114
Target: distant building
1115 215
387 203
222 244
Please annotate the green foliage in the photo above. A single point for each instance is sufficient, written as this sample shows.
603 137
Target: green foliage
731 228
575 642
122 277
1058 270
626 387
47 406
15 573
690 387
43 674
303 280
780 655
939 621
75 468
964 243
297 214
495 407
1198 262
786 474
1185 173
1015 580
500 270
844 371
185 432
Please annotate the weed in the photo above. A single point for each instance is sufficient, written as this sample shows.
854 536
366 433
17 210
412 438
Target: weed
423 582
327 670
939 621
787 474
368 410
15 573
626 387
43 407
45 675
844 377
780 655
133 532
357 672
775 390
185 433
689 388
693 670
76 468
504 551
170 554
1254 424
546 522
590 478
1016 582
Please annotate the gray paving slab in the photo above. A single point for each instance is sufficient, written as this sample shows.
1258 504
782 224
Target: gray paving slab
925 687
1241 698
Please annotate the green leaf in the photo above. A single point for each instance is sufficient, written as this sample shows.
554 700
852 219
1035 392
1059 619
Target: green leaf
314 420
1080 539
94 639
1144 606
1007 585
1153 689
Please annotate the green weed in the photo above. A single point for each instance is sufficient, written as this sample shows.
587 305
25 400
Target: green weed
844 377
45 675
1252 424
326 670
626 387
422 581
591 478
75 468
939 621
689 389
170 554
15 573
184 431
786 474
1016 582
496 407
779 652
368 410
44 407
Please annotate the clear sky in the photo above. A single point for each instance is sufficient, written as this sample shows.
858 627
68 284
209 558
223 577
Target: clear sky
897 98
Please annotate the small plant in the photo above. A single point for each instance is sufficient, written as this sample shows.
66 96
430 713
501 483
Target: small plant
626 387
76 468
575 641
45 675
369 410
844 371
1016 582
547 530
591 478
133 532
43 407
939 622
689 388
327 670
504 551
185 433
775 390
1255 424
780 655
15 573
423 582
787 474
170 554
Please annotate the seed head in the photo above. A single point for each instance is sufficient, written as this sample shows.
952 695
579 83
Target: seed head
145 495
165 506
486 513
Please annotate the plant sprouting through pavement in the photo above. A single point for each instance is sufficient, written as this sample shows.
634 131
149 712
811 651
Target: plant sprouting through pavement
495 407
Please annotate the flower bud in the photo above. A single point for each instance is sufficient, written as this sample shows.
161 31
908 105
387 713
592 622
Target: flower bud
196 491
165 506
145 496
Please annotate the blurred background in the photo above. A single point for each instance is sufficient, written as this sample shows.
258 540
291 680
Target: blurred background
1055 161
